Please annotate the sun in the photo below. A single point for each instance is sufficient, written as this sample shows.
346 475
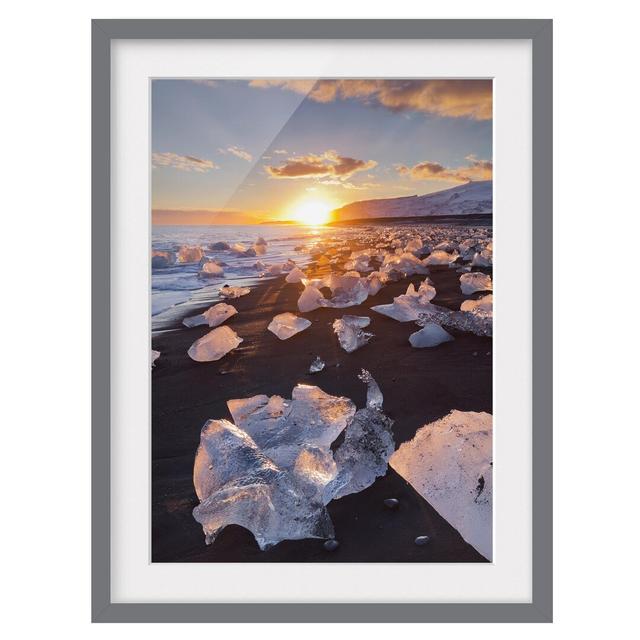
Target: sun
312 212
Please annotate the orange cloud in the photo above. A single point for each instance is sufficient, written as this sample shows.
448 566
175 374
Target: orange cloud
327 165
448 98
429 170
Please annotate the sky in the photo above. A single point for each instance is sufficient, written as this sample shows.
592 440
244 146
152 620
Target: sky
252 151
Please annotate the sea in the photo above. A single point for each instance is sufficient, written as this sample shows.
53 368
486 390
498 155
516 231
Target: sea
178 285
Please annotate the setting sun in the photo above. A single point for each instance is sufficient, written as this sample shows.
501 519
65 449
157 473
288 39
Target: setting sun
312 212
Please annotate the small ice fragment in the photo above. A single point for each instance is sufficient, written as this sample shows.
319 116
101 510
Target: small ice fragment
261 241
295 275
213 316
421 540
311 299
449 463
234 292
331 545
476 281
374 395
211 270
214 345
350 333
219 246
431 335
286 325
154 356
392 503
483 259
317 365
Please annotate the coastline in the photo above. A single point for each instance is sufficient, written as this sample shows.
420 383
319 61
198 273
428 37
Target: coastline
419 386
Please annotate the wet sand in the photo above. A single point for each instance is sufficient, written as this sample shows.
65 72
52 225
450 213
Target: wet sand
419 386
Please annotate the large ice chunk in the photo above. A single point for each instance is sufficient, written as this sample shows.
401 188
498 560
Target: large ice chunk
213 316
285 325
350 333
273 471
449 463
431 335
237 484
476 281
214 345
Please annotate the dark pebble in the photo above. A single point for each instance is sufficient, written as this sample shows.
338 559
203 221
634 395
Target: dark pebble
391 503
331 545
422 540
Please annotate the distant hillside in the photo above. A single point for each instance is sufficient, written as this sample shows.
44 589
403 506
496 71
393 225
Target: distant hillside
466 199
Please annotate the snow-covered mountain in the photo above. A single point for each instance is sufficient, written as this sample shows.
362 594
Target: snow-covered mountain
470 198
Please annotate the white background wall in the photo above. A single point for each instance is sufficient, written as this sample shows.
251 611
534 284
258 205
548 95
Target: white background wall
45 337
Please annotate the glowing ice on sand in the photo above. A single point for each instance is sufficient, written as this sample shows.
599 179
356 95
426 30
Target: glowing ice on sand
273 471
154 356
449 463
213 316
350 333
285 325
409 306
317 365
214 345
431 335
476 281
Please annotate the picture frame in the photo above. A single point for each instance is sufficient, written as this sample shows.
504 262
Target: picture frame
539 32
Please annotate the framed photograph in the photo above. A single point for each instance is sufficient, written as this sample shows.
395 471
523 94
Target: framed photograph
302 410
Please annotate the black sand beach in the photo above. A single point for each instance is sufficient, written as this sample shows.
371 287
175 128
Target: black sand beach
419 386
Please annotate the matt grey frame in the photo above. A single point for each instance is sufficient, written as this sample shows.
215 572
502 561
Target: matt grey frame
540 33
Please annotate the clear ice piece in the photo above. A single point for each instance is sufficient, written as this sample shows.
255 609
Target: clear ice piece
273 471
350 333
317 365
237 484
431 335
214 316
476 281
310 299
214 345
286 325
368 444
449 463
